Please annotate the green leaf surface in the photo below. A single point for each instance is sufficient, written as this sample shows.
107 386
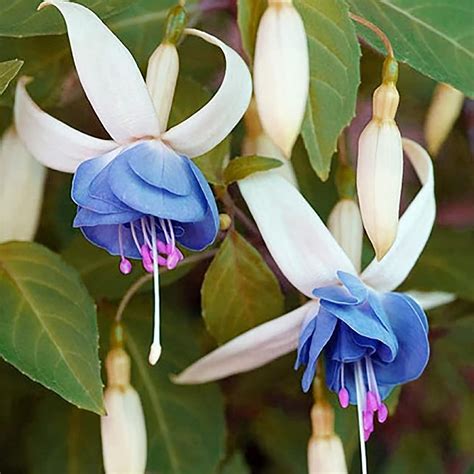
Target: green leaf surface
62 439
48 327
243 166
334 78
236 465
445 265
8 70
249 13
21 19
434 36
185 424
239 290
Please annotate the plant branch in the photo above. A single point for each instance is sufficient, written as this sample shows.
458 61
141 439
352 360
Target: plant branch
383 37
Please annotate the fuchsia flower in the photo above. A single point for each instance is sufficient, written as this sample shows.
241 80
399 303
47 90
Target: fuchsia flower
373 338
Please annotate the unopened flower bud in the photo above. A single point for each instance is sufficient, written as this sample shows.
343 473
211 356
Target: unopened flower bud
445 108
281 73
21 189
345 224
161 77
257 142
124 443
224 221
325 451
380 168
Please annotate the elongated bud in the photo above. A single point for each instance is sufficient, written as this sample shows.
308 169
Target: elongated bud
445 108
380 166
163 66
345 224
21 189
124 444
281 73
325 451
257 142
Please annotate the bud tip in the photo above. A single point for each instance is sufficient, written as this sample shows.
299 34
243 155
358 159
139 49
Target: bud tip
155 353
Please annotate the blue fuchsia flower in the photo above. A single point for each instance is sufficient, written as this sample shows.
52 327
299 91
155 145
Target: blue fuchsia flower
138 194
373 339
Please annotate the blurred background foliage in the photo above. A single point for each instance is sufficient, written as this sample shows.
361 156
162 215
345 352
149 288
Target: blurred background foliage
256 422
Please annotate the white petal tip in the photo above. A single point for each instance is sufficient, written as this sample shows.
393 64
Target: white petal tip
43 5
155 353
180 379
382 248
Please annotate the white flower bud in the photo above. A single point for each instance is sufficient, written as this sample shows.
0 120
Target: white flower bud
445 108
345 224
257 142
281 73
380 171
21 189
161 77
124 443
325 450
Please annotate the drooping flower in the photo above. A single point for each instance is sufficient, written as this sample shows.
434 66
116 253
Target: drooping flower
281 73
138 194
325 450
21 189
123 430
445 107
380 165
373 338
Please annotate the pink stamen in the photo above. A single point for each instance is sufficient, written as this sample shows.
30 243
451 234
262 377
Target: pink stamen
382 413
368 419
125 266
172 260
343 397
147 259
371 401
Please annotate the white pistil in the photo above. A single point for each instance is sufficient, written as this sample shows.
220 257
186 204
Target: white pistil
155 349
360 394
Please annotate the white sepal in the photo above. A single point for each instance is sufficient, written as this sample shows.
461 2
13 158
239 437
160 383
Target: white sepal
445 108
379 182
109 75
414 229
299 242
161 77
345 224
21 189
53 143
431 299
251 349
281 74
212 123
124 441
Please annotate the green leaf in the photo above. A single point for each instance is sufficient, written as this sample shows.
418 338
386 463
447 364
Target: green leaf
249 13
48 326
243 166
185 424
239 290
21 19
445 265
190 96
70 437
434 37
8 70
100 270
236 465
334 78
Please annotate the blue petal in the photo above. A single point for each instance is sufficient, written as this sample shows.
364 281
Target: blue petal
159 166
304 343
106 237
413 346
418 310
354 285
198 235
325 324
86 217
342 346
86 173
363 321
143 197
335 294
